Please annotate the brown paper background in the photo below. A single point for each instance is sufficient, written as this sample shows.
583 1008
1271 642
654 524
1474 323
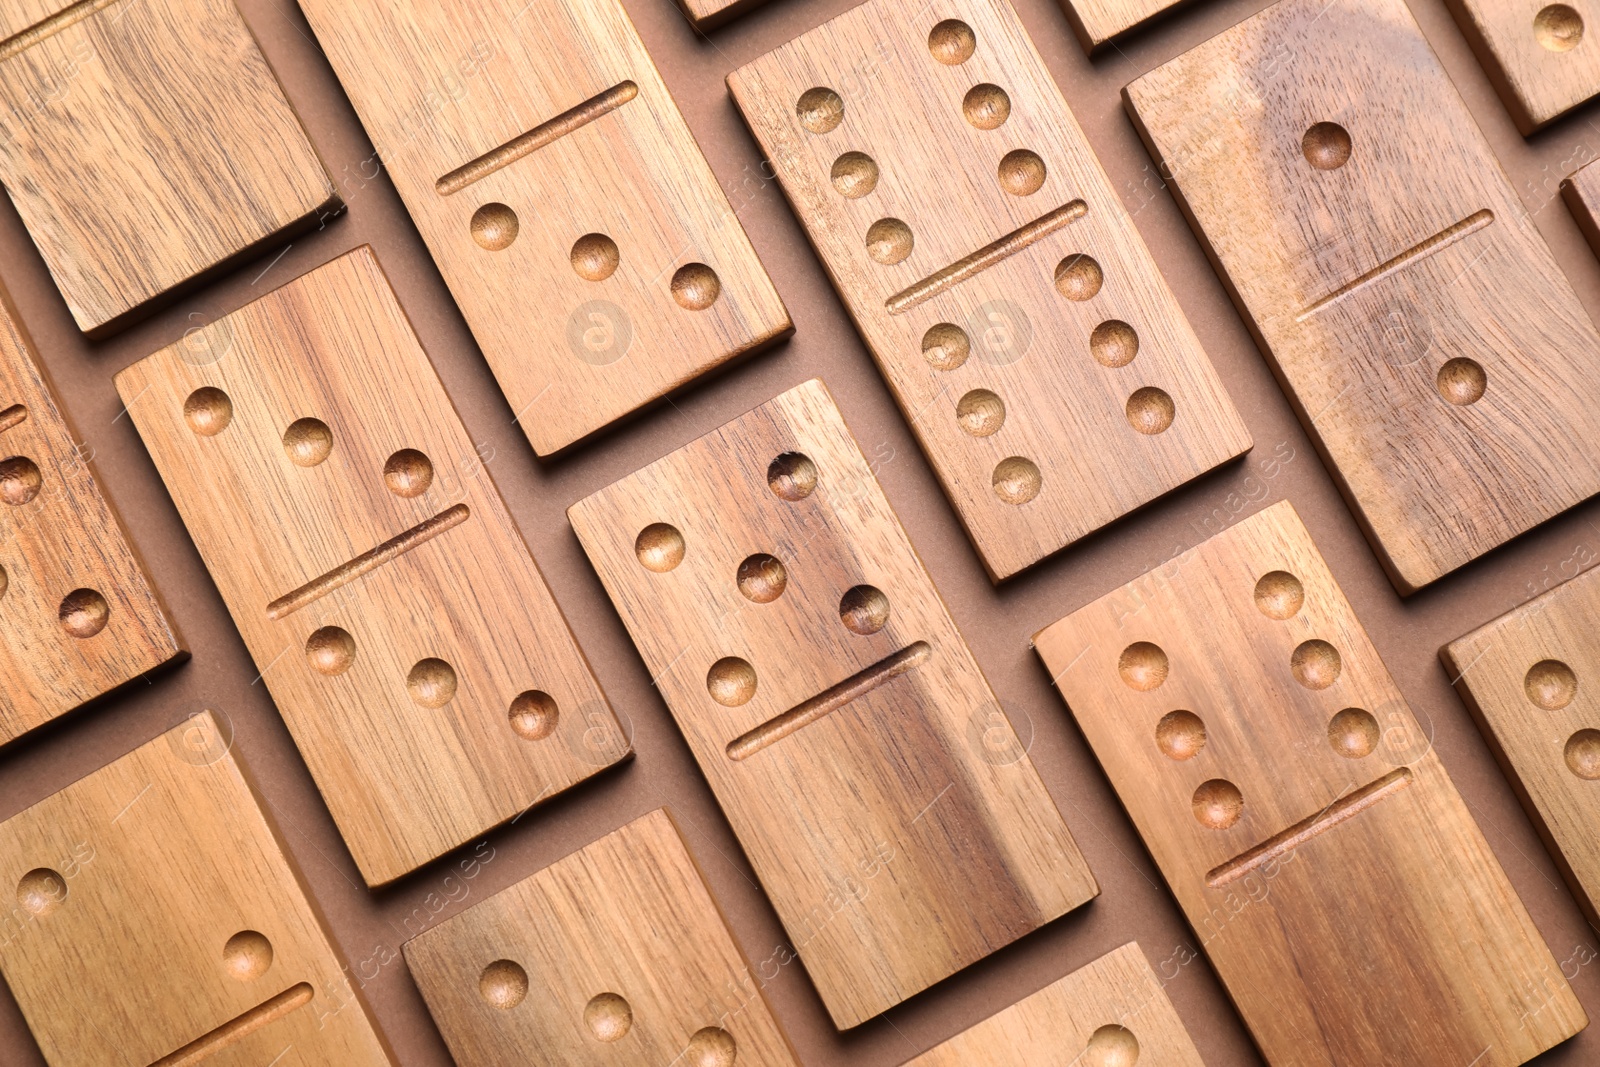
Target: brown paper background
1134 904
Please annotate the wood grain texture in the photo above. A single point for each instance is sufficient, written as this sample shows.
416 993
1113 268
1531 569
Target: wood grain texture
1335 878
78 617
158 921
1434 352
387 597
1534 53
1096 22
1110 1013
1581 191
709 14
1046 416
1529 678
600 270
615 954
836 711
145 144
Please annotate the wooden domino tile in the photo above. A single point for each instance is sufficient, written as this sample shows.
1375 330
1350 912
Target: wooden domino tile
830 701
157 921
564 200
1096 22
1026 333
1581 191
77 616
709 14
146 143
616 954
384 591
1529 678
1533 52
1331 871
1434 352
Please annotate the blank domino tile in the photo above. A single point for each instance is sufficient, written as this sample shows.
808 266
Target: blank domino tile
616 954
1433 350
385 594
1097 21
158 923
77 616
836 711
1110 1013
1530 678
1332 873
208 160
1026 333
568 207
1535 54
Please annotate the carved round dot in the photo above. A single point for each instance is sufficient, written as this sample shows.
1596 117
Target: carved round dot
534 715
1111 1046
1143 666
330 650
1113 343
408 473
986 106
864 610
307 442
1558 28
494 227
792 476
946 346
1353 733
1315 664
761 578
208 411
1218 804
1583 754
731 681
247 956
889 241
5 581
1150 410
711 1046
952 42
1461 381
695 286
431 683
1180 735
1021 172
608 1017
1016 480
854 174
981 413
595 257
1326 146
820 110
84 613
1279 595
1079 278
41 892
503 984
659 547
1550 684
19 480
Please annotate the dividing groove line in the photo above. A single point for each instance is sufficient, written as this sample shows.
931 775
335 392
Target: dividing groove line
1415 254
44 29
13 416
367 562
237 1028
829 700
1347 806
545 133
986 257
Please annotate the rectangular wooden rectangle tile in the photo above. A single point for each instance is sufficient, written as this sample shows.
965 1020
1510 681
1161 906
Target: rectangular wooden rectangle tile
159 922
77 615
626 957
1529 678
709 14
1529 48
1581 191
564 200
384 591
1335 878
1010 303
1110 1013
1434 352
1096 22
835 709
147 142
